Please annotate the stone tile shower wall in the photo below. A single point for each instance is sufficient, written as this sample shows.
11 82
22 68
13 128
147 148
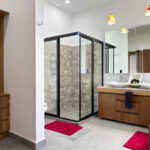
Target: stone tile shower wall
69 82
116 77
50 73
108 77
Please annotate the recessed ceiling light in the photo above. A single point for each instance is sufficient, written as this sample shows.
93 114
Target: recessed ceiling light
67 1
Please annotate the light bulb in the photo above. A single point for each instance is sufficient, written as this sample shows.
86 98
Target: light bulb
124 30
67 1
111 20
147 13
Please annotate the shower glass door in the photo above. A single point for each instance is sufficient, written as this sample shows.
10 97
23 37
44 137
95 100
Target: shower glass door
97 72
86 77
50 76
69 78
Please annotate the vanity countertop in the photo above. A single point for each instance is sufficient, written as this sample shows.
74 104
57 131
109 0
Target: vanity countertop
136 91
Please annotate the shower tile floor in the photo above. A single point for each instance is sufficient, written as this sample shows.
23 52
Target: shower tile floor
97 134
73 116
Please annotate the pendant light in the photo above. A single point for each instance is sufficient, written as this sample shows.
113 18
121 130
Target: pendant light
124 30
147 13
111 19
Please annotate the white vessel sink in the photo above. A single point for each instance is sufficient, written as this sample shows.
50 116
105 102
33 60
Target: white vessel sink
145 85
118 84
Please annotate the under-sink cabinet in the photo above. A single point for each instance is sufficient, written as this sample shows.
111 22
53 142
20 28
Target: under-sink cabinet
112 106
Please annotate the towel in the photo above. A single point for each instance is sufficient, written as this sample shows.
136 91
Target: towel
128 100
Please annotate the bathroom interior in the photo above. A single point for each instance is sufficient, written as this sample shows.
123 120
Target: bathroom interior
76 65
75 74
109 79
86 77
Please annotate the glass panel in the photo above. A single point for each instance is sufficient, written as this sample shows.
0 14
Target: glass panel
50 73
69 78
86 95
97 72
111 61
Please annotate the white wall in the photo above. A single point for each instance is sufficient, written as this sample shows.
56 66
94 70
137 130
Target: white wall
39 70
94 21
56 21
19 65
121 51
128 13
132 39
139 38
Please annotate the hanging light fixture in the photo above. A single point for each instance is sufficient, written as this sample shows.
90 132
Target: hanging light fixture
111 20
67 1
124 30
147 13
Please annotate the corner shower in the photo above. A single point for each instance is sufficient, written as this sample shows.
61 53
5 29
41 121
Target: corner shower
73 70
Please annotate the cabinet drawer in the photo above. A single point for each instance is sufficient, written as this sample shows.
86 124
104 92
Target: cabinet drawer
122 98
121 107
4 102
4 114
127 117
4 126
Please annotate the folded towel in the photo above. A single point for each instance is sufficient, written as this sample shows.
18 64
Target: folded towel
128 100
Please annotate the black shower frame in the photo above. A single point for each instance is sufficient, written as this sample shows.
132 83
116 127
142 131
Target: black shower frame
107 47
81 35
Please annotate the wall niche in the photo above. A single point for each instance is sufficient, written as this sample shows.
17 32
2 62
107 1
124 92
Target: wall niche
4 98
3 14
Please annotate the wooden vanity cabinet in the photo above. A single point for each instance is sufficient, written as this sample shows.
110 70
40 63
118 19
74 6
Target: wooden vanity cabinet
144 115
107 106
127 115
112 106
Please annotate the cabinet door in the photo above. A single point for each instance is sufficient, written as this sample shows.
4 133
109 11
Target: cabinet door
120 106
107 105
127 115
144 111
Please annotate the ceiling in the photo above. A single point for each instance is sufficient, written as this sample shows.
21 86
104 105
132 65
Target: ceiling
77 6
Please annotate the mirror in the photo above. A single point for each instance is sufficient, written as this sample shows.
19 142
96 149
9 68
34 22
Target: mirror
128 52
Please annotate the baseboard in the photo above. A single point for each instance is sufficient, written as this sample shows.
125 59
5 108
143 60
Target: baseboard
40 144
31 144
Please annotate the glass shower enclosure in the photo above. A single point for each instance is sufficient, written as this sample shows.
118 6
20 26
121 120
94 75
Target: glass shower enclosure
73 70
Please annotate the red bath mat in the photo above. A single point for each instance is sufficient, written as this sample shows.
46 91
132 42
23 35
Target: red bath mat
139 141
63 127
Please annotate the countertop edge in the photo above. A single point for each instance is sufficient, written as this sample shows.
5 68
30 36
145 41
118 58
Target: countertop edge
4 94
140 92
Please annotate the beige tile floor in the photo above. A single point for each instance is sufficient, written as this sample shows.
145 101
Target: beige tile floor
97 134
